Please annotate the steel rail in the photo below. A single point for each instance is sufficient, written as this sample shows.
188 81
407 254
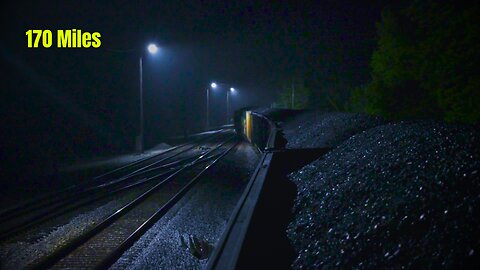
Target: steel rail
157 162
37 203
5 213
63 251
140 231
64 209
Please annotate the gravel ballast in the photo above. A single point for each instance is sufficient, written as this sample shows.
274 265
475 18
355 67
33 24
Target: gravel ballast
20 253
402 195
202 215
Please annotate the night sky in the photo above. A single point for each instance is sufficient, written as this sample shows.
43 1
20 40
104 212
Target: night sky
67 103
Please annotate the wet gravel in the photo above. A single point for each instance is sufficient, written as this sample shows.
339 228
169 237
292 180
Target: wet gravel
19 253
201 215
404 195
320 129
26 247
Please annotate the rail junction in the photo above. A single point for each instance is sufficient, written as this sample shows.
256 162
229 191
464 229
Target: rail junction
147 189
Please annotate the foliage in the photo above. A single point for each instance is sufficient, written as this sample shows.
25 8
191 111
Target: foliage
301 95
425 64
325 91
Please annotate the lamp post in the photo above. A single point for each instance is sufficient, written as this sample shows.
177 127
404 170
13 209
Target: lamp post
152 49
231 90
212 85
208 106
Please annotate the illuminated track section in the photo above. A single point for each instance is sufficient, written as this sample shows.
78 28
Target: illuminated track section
101 245
139 174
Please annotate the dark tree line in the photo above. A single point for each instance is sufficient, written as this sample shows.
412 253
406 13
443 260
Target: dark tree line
425 65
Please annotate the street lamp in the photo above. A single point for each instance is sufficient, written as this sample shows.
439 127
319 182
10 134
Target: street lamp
152 49
214 85
232 91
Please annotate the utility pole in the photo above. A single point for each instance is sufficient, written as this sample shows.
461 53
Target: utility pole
228 106
140 136
208 106
293 93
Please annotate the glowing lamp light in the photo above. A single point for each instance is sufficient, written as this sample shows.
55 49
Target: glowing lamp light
152 48
213 85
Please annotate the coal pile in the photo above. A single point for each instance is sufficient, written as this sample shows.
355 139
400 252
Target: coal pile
319 129
403 195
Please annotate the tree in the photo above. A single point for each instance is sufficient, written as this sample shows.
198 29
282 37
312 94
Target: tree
449 55
294 94
425 64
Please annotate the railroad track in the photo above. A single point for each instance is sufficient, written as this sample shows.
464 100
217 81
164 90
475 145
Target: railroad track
141 173
101 245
